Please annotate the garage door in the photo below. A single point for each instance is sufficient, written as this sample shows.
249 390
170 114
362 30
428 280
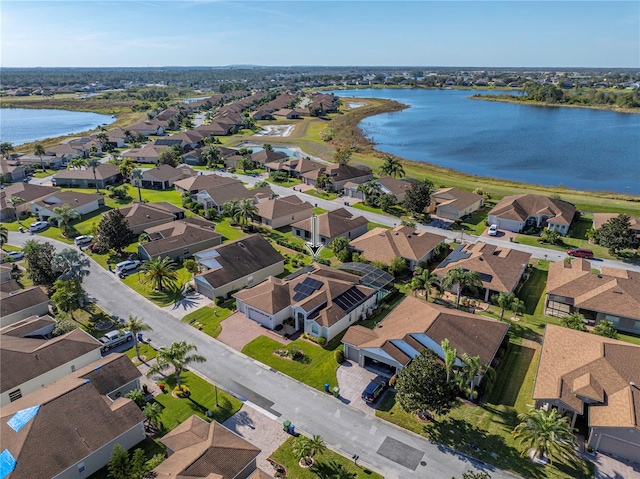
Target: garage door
618 448
260 317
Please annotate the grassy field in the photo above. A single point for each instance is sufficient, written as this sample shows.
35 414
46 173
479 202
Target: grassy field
207 319
168 296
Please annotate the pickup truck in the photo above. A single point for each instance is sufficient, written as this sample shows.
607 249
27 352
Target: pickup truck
115 338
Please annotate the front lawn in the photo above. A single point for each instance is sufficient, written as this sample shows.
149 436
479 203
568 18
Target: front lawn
567 243
327 464
170 295
90 316
229 232
319 368
147 352
207 319
324 195
475 223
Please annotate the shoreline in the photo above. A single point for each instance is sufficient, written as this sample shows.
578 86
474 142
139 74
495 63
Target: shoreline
515 101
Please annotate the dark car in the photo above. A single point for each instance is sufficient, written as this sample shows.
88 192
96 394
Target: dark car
580 253
374 390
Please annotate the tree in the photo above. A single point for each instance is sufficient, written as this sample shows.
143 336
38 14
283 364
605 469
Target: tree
616 234
39 258
159 272
65 214
63 326
77 163
574 321
422 386
230 208
371 191
605 328
137 396
211 156
68 295
418 197
102 137
246 210
14 201
342 156
70 264
392 167
93 163
137 175
176 356
450 356
126 167
387 202
114 232
422 280
475 475
4 236
550 236
306 448
168 156
463 279
504 300
398 266
323 182
152 412
39 151
6 148
119 464
517 306
547 432
467 374
245 163
267 147
136 325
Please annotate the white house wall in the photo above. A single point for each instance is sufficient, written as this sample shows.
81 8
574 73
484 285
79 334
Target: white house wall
203 287
34 310
504 224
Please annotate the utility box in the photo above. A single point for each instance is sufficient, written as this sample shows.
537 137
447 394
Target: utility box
336 391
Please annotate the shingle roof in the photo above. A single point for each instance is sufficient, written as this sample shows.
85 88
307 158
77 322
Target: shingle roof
396 186
176 235
168 172
382 244
103 172
110 372
457 198
600 219
202 182
143 213
22 300
26 191
234 191
333 223
267 156
576 363
520 207
272 208
72 198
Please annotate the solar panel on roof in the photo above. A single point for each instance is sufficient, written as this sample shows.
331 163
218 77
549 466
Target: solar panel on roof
299 296
312 283
350 299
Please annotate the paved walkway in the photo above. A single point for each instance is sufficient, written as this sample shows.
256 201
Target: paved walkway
238 331
152 387
188 304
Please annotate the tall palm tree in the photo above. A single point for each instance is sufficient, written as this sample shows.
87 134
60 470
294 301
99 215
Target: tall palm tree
159 272
14 201
77 163
504 300
323 182
71 264
423 280
39 151
211 156
547 432
463 279
137 175
230 208
65 214
246 210
152 412
4 235
472 367
517 306
450 356
6 147
176 356
136 325
102 137
125 167
93 163
392 167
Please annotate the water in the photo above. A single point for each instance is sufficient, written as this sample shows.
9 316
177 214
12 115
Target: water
20 125
579 148
255 148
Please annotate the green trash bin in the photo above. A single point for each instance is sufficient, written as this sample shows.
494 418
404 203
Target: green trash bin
336 391
285 426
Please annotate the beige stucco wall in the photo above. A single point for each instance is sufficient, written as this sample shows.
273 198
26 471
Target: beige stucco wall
626 446
348 320
287 220
176 253
208 291
34 310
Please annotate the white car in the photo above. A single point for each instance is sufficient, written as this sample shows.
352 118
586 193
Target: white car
83 240
38 226
127 266
493 230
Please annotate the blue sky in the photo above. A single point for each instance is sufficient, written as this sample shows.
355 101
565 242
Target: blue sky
213 33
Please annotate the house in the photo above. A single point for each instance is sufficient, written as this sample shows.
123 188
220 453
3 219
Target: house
218 196
263 157
26 192
287 113
382 244
294 166
23 304
82 203
236 265
339 174
388 186
415 325
193 185
500 269
162 177
31 358
149 153
331 225
520 212
151 127
13 172
36 162
599 219
103 176
179 239
613 294
587 375
141 216
200 449
217 127
282 211
116 138
454 203
68 429
262 115
322 301
68 151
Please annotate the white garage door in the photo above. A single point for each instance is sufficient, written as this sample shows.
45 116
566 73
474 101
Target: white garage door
260 317
618 448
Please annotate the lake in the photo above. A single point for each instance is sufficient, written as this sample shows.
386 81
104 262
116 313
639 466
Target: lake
575 147
21 125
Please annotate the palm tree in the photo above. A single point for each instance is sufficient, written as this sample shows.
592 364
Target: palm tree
547 432
517 306
39 151
30 246
64 216
102 137
125 167
93 163
472 367
450 356
245 163
230 208
136 325
152 412
463 279
211 156
14 201
77 163
71 264
423 280
160 272
137 396
575 321
305 448
137 175
176 356
316 445
371 192
504 300
246 210
4 236
392 167
323 182
6 148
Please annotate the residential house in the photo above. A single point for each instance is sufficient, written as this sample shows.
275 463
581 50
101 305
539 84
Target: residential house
116 138
340 175
236 265
68 429
82 203
12 171
262 115
217 127
287 113
388 186
68 151
331 225
151 127
520 212
149 153
415 325
583 374
382 244
23 304
31 358
263 157
36 162
141 216
202 449
599 219
454 203
613 294
282 211
26 192
163 177
500 269
179 239
322 301
103 176
193 157
192 139
193 185
5 272
294 166
218 196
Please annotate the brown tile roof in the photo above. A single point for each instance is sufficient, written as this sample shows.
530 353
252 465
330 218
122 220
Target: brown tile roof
142 213
168 172
147 151
397 187
500 268
266 156
234 191
205 450
614 291
573 362
600 219
74 199
203 182
272 208
26 191
381 244
103 172
333 223
468 333
176 235
63 433
110 372
22 300
339 172
457 198
520 207
28 326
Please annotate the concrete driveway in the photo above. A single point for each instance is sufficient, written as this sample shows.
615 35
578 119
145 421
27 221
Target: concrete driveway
188 304
238 331
352 380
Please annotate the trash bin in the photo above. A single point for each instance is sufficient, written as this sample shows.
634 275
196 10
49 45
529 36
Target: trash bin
285 426
292 429
326 387
511 238
336 391
139 337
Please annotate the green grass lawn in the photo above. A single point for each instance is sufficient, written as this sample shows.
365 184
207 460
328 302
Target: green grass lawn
207 319
168 296
203 398
147 352
325 195
326 463
89 316
318 211
44 174
229 232
474 224
289 182
320 368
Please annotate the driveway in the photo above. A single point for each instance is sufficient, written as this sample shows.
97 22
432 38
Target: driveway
352 379
188 304
238 331
608 467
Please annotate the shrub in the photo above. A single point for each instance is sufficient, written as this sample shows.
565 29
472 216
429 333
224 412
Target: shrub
339 355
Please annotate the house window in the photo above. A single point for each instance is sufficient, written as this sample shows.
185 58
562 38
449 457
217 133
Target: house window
185 251
614 319
73 368
250 280
315 329
636 327
81 468
15 395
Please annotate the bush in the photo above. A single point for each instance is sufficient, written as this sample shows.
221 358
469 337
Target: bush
339 355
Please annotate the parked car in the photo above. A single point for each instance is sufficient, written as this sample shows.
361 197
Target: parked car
127 265
115 338
83 240
14 255
375 389
580 253
493 230
38 226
